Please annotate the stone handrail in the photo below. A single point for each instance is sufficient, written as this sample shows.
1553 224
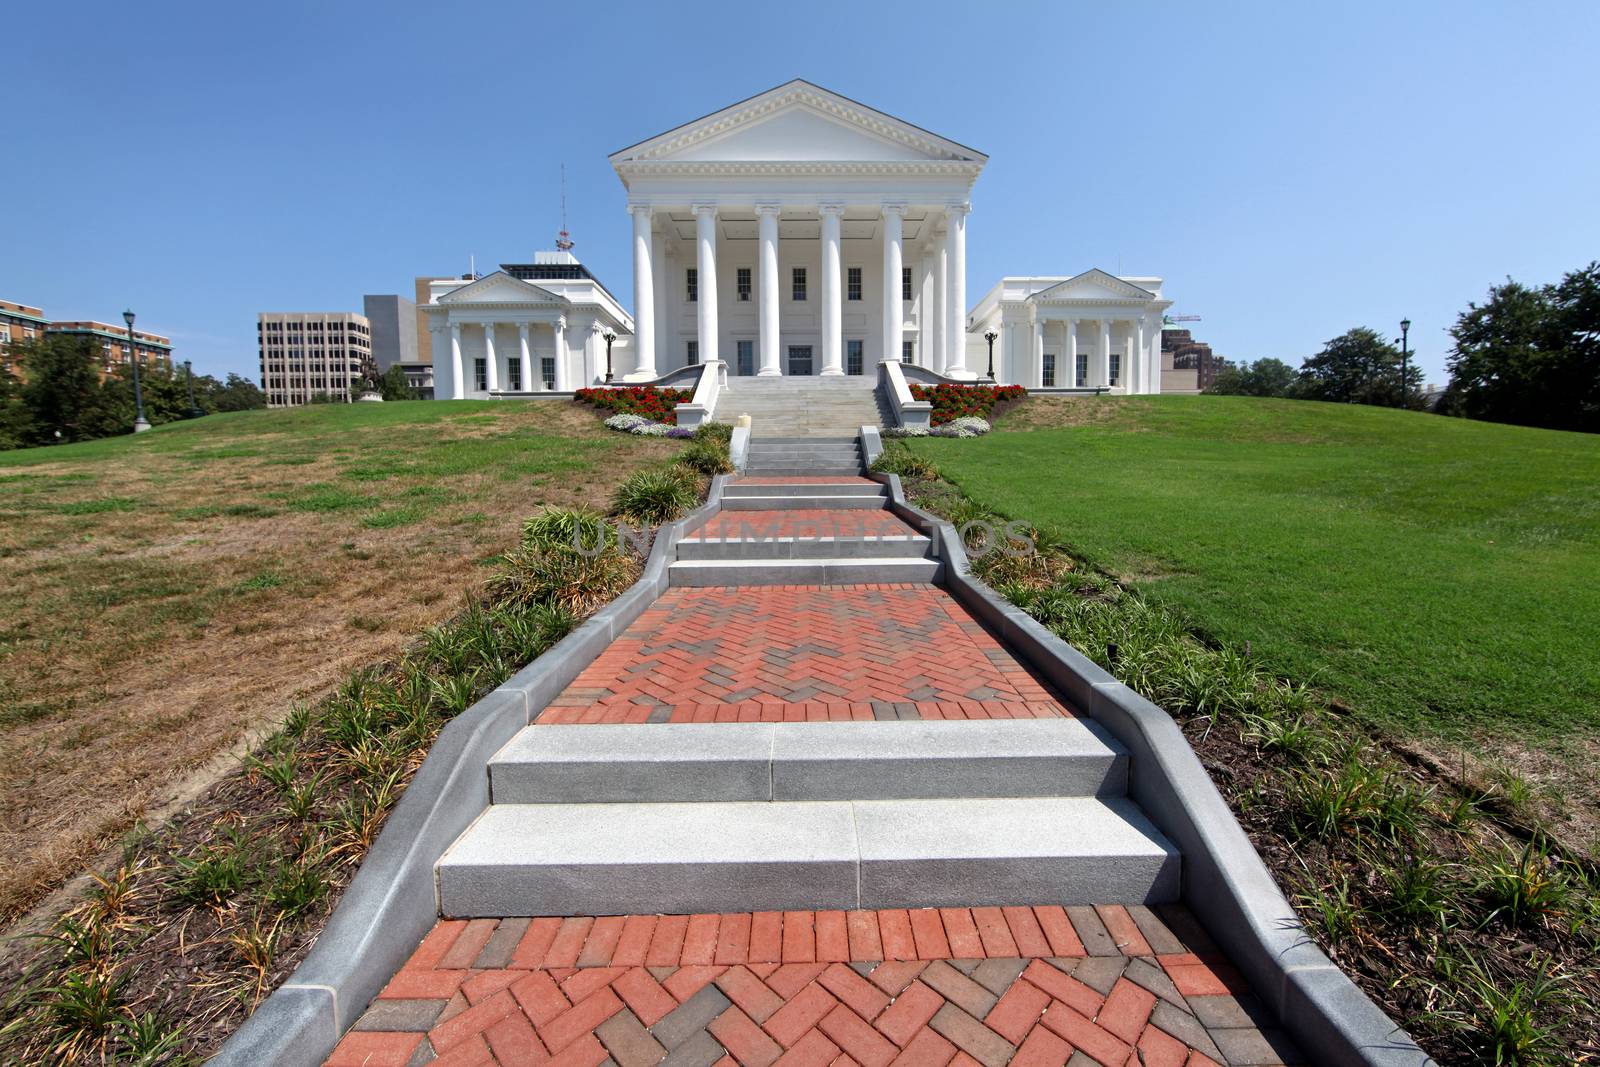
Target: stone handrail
907 410
703 405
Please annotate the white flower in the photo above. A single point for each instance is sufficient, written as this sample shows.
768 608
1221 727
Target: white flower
626 421
966 426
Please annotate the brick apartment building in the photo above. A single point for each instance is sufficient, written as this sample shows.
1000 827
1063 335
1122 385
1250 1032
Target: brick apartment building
1181 352
23 322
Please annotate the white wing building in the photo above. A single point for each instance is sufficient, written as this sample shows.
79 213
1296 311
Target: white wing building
795 233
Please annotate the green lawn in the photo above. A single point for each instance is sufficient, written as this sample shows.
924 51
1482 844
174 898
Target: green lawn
1440 576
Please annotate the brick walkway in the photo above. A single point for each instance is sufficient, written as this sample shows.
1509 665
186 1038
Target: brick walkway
803 523
804 653
1119 987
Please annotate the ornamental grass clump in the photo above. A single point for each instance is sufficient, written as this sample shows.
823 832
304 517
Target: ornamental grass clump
898 459
653 497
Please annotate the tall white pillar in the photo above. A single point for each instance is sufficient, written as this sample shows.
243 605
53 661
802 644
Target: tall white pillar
1154 355
927 320
832 291
664 267
1136 354
940 360
1036 375
644 295
767 285
491 360
1104 355
894 312
957 310
525 361
440 337
593 352
705 217
458 384
561 355
1072 353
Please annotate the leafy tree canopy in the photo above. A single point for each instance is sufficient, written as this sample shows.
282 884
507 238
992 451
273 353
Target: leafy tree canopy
1358 367
1530 356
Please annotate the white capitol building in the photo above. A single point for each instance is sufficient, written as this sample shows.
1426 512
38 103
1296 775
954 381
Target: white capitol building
795 233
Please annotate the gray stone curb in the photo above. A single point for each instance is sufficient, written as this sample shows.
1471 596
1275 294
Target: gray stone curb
1225 883
392 901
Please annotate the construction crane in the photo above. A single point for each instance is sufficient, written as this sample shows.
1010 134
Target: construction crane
1168 319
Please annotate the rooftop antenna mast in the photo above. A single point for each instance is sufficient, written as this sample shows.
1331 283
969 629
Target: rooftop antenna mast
564 239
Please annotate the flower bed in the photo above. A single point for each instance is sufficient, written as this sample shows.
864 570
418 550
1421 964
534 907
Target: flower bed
649 401
960 401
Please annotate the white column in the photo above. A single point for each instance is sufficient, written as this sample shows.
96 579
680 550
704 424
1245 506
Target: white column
1036 375
832 292
957 309
1154 355
664 260
927 320
1072 352
1138 356
767 284
705 217
458 384
439 334
561 355
491 359
1104 354
940 358
593 352
644 296
525 362
894 312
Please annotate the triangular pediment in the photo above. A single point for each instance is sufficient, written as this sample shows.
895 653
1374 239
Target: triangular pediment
1094 284
501 288
798 122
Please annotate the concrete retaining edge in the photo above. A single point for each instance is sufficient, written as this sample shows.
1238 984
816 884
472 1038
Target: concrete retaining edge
392 902
1226 885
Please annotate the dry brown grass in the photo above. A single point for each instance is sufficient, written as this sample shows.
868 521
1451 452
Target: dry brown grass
163 596
1045 412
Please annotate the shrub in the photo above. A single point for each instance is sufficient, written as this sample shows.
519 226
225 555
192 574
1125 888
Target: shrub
568 527
656 496
898 459
965 426
651 402
951 402
560 575
714 431
706 458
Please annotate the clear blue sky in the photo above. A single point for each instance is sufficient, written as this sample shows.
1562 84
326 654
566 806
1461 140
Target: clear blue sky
1292 170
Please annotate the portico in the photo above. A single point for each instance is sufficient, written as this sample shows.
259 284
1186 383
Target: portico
799 233
1091 331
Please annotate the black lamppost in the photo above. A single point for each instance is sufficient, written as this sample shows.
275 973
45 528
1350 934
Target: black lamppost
1405 390
990 336
609 336
188 375
140 423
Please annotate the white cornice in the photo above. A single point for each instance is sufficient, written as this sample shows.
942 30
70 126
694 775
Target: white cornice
939 168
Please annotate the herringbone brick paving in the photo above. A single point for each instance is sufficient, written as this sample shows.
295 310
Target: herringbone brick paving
804 653
1115 986
802 523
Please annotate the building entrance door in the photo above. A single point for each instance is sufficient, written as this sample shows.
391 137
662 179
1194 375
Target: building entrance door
747 358
800 359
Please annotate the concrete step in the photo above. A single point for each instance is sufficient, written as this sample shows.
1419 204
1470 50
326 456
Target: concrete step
779 548
742 489
802 496
802 470
618 859
827 571
893 760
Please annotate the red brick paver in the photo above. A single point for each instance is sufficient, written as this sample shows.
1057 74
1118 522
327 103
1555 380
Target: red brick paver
804 654
1029 1006
806 524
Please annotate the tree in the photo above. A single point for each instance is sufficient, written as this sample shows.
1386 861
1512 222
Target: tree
394 385
1358 367
1265 377
236 394
1530 356
16 421
63 393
